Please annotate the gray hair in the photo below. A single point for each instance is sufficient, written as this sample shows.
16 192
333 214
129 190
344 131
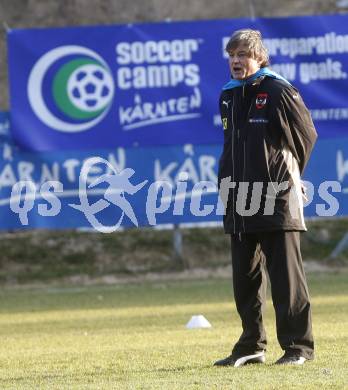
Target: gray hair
252 40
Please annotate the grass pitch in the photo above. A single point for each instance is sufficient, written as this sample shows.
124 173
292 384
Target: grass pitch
134 337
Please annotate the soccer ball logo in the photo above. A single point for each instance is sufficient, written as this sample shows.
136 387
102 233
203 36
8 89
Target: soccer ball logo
83 88
70 88
90 87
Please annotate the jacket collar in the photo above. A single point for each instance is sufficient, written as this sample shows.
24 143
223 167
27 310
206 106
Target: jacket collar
234 83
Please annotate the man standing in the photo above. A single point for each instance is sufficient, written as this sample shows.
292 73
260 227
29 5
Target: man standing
268 138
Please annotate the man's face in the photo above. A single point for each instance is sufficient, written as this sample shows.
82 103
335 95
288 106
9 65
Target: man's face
241 64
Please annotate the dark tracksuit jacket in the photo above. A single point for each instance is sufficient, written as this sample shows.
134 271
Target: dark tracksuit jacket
268 137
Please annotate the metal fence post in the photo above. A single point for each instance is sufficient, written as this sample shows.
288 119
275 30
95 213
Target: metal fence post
340 247
177 244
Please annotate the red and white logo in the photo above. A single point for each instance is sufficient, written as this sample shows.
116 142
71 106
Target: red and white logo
261 100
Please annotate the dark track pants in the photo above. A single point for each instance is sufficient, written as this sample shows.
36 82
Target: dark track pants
280 252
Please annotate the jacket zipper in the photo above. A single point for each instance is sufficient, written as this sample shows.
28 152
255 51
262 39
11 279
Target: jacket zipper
232 155
244 159
244 164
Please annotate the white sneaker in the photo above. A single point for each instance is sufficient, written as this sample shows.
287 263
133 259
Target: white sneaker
234 361
288 359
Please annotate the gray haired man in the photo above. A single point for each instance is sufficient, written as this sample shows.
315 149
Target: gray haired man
268 139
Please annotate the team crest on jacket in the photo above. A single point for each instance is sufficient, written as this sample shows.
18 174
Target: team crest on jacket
261 100
224 123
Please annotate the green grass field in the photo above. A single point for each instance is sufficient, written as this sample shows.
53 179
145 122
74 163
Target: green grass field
134 337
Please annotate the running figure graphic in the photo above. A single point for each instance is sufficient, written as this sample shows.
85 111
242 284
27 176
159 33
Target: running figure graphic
119 184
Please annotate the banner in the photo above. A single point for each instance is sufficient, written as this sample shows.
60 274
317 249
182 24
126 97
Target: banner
144 85
129 187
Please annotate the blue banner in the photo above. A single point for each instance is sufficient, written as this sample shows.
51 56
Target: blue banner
118 126
145 85
127 187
